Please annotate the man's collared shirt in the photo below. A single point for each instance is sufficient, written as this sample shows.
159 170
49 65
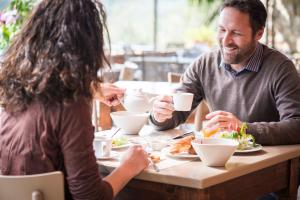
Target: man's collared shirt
252 65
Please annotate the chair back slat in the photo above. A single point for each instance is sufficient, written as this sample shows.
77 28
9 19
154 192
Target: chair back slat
47 186
37 195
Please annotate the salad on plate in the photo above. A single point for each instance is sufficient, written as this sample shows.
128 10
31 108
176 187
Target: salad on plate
120 142
246 141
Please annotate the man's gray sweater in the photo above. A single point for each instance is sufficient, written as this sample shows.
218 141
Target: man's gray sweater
268 100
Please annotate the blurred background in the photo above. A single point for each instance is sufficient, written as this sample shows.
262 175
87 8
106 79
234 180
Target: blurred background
149 38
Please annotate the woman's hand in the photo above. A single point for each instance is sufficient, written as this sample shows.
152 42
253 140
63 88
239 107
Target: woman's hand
135 160
223 120
108 94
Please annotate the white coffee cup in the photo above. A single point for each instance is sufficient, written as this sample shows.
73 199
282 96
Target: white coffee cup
183 101
102 146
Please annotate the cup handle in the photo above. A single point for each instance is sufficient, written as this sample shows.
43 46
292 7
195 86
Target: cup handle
102 149
152 99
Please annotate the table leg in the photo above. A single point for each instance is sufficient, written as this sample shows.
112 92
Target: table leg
291 192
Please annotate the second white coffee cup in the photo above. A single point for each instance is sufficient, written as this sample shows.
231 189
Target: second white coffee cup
183 101
102 146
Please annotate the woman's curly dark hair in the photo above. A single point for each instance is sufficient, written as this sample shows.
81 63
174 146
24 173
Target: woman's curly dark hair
56 55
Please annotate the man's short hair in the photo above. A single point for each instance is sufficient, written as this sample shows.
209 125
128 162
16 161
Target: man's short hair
255 8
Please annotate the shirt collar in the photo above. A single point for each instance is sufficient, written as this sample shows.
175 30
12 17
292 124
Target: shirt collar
254 61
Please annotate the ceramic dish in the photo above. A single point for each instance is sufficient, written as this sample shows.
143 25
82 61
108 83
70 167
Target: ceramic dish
121 146
258 147
113 154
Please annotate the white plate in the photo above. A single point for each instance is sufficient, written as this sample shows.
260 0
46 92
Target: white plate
121 146
254 149
113 154
166 151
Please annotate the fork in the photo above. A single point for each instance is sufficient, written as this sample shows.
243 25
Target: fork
149 149
153 165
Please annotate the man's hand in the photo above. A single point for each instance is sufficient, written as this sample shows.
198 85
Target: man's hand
108 94
223 120
162 108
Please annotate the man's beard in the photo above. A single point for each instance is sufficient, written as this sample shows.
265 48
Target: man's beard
233 54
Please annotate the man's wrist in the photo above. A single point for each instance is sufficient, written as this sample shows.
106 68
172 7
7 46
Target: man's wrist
153 120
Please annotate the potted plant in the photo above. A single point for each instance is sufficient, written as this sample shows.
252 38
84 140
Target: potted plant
12 18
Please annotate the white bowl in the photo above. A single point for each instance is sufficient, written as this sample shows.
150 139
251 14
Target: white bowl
130 123
214 152
158 144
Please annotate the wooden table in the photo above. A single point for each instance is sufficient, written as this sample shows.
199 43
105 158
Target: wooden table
245 176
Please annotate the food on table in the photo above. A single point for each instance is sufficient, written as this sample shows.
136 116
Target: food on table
120 141
155 158
183 145
246 141
192 151
210 131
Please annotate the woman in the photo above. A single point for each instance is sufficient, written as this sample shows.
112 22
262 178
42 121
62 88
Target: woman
47 79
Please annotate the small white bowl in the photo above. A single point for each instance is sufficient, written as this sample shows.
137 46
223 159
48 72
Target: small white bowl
214 152
158 144
130 123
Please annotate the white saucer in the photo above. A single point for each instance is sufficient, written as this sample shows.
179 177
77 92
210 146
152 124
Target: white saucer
113 154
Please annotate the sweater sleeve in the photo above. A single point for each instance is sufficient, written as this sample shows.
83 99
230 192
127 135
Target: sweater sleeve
285 88
76 142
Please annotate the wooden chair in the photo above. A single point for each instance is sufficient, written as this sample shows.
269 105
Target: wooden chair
198 115
105 121
101 112
127 72
201 110
101 115
173 77
153 69
47 186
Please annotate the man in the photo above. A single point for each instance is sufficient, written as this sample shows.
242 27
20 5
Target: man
242 81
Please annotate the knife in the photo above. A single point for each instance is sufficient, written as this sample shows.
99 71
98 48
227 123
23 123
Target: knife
183 135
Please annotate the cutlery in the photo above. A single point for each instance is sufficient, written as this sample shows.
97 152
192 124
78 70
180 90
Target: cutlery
153 165
183 135
115 132
148 149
